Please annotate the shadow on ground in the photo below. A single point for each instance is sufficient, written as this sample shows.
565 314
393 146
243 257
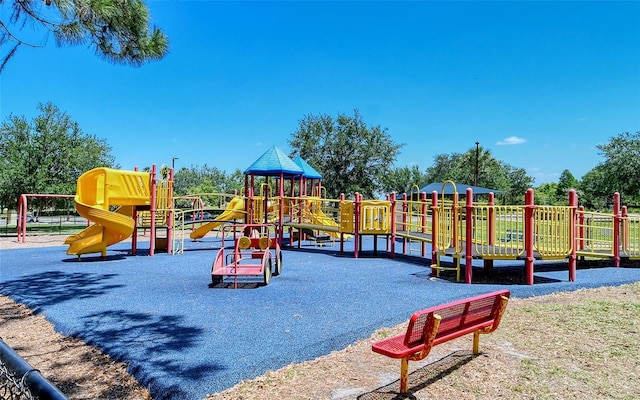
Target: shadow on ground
54 287
421 378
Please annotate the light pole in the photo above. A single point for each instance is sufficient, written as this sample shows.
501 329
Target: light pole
475 175
173 164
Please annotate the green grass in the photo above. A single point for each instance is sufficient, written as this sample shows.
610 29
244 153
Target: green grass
44 229
601 348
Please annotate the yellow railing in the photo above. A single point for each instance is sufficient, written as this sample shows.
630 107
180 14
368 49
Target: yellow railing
450 228
553 231
502 239
413 216
631 236
595 234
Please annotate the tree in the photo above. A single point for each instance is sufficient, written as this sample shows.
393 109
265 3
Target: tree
545 194
516 184
118 29
511 182
47 155
206 179
461 167
597 189
621 167
351 156
566 182
400 180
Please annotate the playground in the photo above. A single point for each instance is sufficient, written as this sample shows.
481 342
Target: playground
286 194
185 333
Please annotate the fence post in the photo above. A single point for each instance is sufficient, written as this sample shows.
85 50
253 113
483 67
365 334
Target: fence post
625 229
468 267
357 204
21 218
616 229
491 227
342 198
573 204
403 227
392 201
434 230
581 229
170 212
528 234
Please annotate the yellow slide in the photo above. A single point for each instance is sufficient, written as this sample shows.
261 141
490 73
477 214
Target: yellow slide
235 210
98 190
321 219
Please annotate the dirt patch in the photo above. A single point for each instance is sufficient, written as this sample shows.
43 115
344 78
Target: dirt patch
78 370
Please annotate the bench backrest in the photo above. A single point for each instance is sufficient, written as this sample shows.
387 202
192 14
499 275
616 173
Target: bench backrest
457 318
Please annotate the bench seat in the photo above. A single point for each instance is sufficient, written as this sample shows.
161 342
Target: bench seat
439 324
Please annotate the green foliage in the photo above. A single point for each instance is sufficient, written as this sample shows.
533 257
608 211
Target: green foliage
46 155
511 182
619 172
400 180
515 183
545 194
351 156
597 189
205 179
118 29
566 182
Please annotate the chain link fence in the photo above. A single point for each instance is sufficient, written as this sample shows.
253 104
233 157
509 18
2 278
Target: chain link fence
20 381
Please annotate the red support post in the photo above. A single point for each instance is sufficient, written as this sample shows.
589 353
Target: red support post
528 234
423 222
134 235
454 222
280 233
468 251
392 201
403 226
170 215
434 229
342 198
21 218
356 222
581 230
573 203
616 229
625 229
154 208
491 223
491 227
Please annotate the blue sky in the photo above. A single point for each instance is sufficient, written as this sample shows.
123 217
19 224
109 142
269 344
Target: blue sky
539 84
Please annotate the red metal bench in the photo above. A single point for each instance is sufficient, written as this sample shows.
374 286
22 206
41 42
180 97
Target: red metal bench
439 324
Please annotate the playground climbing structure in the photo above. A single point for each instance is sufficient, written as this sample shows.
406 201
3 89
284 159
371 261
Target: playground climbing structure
111 201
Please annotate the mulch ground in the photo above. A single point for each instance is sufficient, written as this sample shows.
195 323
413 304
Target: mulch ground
527 340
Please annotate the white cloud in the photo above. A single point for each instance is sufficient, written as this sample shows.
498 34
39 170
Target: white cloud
511 140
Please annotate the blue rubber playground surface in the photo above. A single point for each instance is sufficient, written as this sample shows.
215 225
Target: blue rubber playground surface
184 339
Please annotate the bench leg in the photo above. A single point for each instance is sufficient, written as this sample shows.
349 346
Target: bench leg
404 374
476 343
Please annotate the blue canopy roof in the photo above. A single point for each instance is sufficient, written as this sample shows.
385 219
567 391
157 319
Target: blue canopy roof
308 170
273 163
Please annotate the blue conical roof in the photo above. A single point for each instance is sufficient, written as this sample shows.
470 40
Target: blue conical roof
308 170
273 163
